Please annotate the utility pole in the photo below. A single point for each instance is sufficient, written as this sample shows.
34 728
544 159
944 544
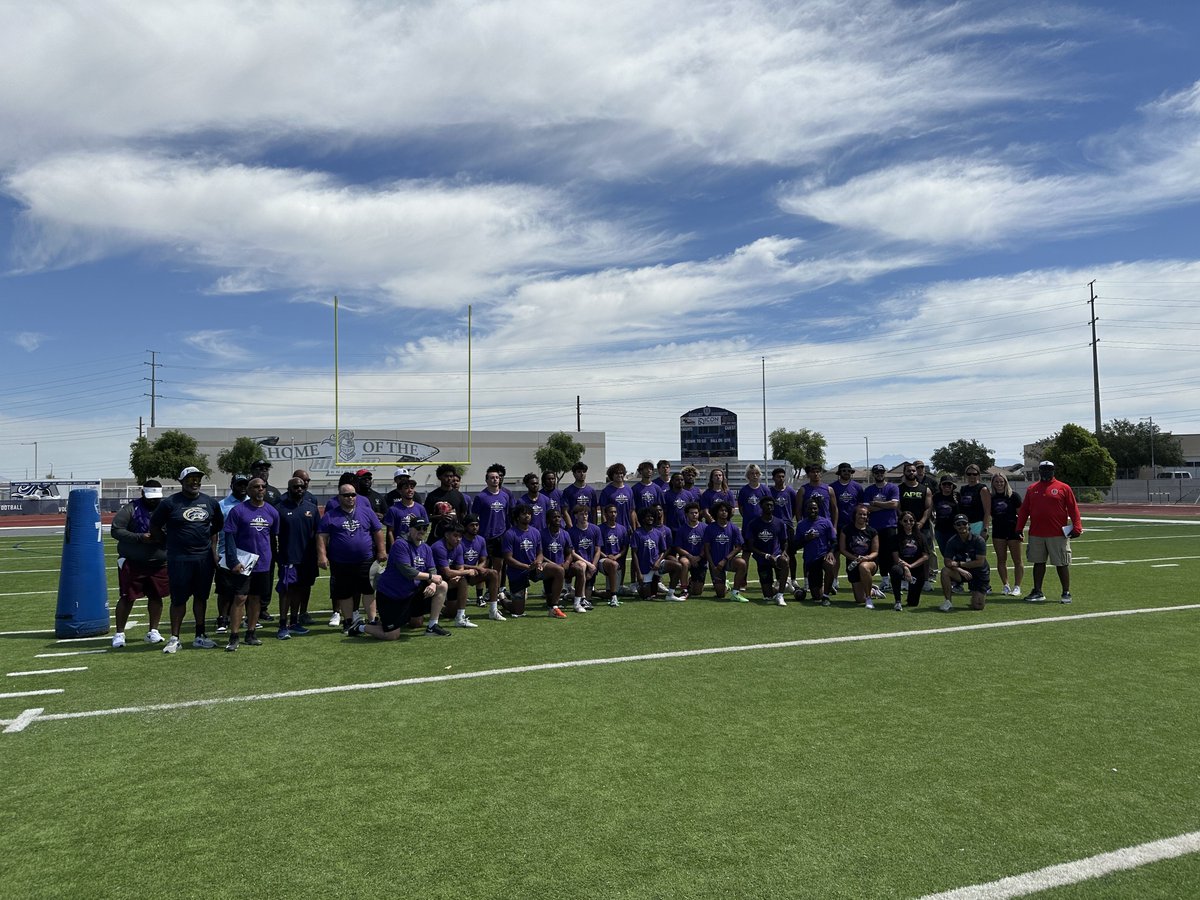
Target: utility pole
141 430
578 417
766 459
1095 356
153 379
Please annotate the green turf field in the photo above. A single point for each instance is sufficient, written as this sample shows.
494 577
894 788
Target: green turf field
892 767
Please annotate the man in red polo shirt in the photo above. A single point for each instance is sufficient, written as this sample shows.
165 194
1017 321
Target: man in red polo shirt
1054 519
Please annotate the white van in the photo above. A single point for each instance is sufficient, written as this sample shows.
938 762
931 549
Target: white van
1175 473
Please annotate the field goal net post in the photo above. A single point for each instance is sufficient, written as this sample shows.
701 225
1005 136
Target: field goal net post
338 463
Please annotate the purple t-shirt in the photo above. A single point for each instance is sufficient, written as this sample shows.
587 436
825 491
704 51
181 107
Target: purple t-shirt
622 499
350 536
540 506
821 492
767 536
691 538
556 545
523 545
748 500
883 518
818 537
573 496
710 497
493 511
613 540
444 557
399 517
474 551
722 540
674 503
649 545
785 502
647 495
393 582
848 496
249 528
586 541
553 499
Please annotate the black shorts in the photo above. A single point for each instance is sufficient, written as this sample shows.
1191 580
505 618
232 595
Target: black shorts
348 579
853 571
191 577
393 612
495 551
251 584
519 580
1005 531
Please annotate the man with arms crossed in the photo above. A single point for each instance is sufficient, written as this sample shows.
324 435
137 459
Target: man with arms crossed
141 563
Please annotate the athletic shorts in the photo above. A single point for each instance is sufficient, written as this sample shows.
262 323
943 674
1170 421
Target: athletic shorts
853 571
519 580
190 577
251 584
224 586
1056 550
348 579
494 548
393 612
137 580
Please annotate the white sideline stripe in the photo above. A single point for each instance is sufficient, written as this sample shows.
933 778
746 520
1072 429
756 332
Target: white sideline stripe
23 720
48 671
40 693
1077 871
1122 562
34 631
1141 521
68 653
603 661
1165 566
29 572
111 590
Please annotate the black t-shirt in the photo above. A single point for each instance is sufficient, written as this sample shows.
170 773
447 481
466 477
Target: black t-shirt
910 546
858 540
456 499
189 523
912 499
945 508
969 502
1004 513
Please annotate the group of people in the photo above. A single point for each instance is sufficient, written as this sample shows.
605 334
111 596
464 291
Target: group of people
399 560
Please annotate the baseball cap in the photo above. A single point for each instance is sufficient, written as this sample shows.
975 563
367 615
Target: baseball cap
1045 464
240 478
960 519
363 472
190 470
419 525
878 467
260 464
946 479
152 490
401 473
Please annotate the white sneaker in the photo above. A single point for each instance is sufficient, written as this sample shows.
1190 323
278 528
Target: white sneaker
172 645
671 595
1016 591
336 619
928 586
870 604
877 594
356 618
779 601
1007 591
886 585
579 607
677 597
203 643
898 606
464 622
496 616
614 602
153 637
946 606
118 640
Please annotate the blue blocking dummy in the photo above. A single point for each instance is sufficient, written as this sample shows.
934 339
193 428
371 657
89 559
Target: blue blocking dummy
82 582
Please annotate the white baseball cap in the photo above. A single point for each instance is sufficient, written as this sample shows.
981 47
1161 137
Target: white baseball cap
190 470
401 473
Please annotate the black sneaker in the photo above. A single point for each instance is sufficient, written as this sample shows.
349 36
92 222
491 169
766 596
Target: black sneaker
825 601
436 630
265 616
306 619
356 629
252 639
233 644
1035 597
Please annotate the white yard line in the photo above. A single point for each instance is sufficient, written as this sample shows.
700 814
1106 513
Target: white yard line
68 653
48 671
21 722
1076 871
1121 521
44 691
604 661
1165 566
1125 562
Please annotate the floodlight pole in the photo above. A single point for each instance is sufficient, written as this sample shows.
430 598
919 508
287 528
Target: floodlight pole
867 444
35 462
1153 470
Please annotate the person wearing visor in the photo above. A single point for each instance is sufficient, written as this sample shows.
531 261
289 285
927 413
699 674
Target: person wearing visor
408 589
966 563
141 563
1053 516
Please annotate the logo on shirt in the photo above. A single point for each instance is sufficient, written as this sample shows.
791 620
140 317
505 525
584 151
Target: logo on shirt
350 525
195 514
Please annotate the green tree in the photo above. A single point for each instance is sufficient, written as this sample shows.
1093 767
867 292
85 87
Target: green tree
559 453
238 457
798 447
166 457
1078 458
957 455
1129 444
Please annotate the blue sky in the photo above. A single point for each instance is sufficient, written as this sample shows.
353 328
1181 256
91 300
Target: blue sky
900 210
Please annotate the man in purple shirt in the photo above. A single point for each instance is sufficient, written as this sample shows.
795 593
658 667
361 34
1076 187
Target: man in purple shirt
767 539
493 506
449 563
722 552
251 527
689 550
349 537
585 539
523 562
580 493
408 588
883 497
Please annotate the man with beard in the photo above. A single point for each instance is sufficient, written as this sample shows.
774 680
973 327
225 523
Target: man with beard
883 498
298 518
189 523
141 563
251 530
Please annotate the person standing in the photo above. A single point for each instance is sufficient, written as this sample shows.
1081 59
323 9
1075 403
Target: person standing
261 468
1053 517
1006 504
349 537
298 518
883 498
189 522
141 563
251 529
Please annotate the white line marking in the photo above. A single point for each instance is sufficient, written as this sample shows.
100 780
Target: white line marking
69 653
48 671
34 631
111 590
13 694
98 637
1121 562
604 661
1077 871
29 572
23 720
1142 521
1165 566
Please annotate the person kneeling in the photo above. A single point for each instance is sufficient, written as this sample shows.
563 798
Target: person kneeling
965 563
407 586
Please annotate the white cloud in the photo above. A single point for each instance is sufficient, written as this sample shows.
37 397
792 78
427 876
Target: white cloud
980 200
220 344
416 242
28 340
646 83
